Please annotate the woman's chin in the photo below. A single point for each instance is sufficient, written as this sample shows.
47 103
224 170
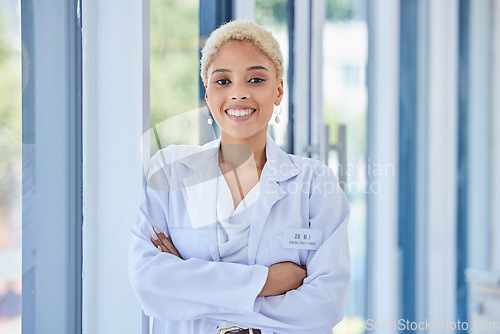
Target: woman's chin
245 134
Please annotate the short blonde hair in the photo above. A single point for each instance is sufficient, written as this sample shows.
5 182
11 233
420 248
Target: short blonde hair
241 31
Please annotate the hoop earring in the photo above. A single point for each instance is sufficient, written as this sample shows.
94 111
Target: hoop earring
210 119
277 119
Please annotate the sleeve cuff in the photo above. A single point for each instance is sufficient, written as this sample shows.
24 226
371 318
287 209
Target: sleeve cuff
259 278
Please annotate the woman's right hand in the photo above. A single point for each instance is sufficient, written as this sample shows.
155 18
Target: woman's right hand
283 277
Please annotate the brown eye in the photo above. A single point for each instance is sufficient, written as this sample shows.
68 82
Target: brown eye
256 80
222 82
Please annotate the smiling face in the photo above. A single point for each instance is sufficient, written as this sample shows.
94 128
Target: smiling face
242 89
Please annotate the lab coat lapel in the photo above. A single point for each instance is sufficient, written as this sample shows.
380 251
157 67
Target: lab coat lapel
199 186
270 193
278 168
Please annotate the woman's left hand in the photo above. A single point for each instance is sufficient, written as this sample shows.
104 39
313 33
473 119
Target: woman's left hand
163 242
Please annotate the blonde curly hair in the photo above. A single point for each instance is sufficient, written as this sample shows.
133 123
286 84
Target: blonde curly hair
240 30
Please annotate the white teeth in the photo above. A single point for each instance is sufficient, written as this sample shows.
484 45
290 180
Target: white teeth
239 112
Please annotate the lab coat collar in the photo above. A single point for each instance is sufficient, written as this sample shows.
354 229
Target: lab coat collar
199 160
278 162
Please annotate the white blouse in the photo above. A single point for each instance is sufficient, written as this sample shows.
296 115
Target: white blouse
234 224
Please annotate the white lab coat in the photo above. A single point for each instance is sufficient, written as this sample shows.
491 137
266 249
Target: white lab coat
193 294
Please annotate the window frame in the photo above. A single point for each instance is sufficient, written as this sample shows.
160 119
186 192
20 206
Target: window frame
52 166
114 98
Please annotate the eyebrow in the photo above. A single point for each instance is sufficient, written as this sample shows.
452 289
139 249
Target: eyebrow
221 70
251 68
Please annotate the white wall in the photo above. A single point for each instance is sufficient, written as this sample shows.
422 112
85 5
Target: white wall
113 102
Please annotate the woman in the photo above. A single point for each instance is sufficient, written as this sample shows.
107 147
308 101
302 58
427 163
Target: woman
237 236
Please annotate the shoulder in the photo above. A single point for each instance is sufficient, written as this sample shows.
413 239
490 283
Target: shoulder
164 157
170 155
175 153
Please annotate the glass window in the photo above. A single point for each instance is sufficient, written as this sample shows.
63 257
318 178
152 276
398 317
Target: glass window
174 72
10 167
345 57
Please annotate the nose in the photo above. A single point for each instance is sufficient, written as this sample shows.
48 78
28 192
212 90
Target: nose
239 92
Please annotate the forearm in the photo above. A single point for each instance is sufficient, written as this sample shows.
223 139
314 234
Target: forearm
161 279
283 277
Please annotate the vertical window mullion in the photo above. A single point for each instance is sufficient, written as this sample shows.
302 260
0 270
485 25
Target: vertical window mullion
52 167
407 154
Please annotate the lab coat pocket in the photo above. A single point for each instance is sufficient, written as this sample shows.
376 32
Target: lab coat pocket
277 253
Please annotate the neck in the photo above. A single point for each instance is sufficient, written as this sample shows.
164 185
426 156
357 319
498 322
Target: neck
248 152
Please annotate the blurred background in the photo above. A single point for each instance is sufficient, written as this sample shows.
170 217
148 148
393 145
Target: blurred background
10 167
408 88
399 97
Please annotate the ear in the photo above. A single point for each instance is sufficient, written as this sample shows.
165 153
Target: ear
280 93
206 96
